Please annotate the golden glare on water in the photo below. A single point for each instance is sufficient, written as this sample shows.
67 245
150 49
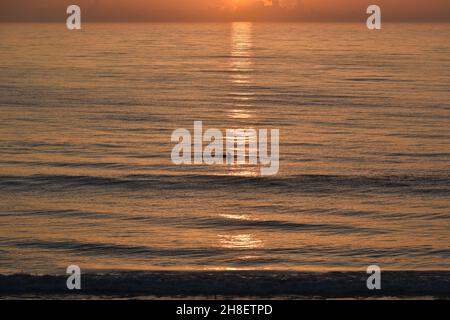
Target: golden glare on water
236 216
239 114
241 52
241 72
239 241
241 67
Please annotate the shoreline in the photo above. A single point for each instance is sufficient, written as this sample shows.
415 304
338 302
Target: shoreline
230 285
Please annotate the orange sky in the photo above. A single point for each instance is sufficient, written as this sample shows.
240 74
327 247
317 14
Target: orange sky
224 10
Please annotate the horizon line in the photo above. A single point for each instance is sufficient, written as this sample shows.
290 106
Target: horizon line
443 21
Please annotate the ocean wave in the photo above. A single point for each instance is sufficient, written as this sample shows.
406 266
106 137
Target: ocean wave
218 223
425 185
221 254
57 214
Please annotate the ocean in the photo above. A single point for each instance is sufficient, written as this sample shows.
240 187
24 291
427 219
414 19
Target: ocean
86 176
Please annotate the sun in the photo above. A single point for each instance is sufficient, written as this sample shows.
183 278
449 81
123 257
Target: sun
236 3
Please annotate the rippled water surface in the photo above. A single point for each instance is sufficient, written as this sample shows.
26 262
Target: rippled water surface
85 141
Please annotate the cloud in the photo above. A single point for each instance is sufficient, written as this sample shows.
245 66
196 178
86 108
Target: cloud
224 10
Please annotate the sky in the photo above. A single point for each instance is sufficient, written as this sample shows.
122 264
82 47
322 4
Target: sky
224 10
